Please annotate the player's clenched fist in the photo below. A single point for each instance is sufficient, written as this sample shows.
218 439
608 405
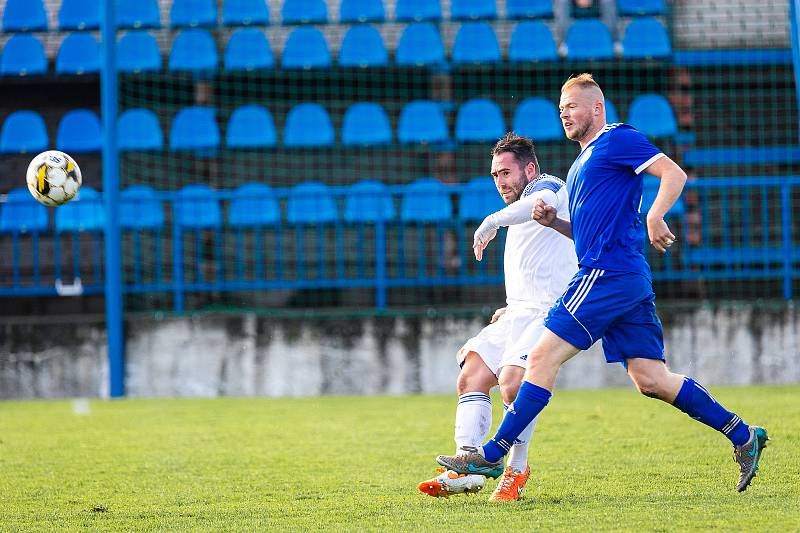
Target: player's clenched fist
543 214
497 314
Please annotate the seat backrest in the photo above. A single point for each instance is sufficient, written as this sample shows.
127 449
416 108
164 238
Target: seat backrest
140 208
137 51
529 9
479 199
304 12
252 205
538 119
306 48
611 112
362 11
248 49
637 8
418 10
422 121
473 9
22 214
194 128
479 120
197 207
245 13
362 46
426 200
78 54
79 132
23 132
23 55
85 212
193 50
193 13
24 15
652 115
139 130
365 124
138 14
79 15
420 45
311 202
251 126
308 125
532 40
476 42
368 201
646 38
589 39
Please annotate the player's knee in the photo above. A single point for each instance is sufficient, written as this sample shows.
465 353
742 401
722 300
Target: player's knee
509 387
649 386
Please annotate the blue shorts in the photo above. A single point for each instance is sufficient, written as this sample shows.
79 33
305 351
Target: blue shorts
617 307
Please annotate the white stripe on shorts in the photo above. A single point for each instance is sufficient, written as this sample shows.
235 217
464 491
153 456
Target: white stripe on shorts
593 277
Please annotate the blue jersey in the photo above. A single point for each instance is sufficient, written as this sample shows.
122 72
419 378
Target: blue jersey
605 190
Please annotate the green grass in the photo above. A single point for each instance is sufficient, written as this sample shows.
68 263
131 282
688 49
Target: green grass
601 460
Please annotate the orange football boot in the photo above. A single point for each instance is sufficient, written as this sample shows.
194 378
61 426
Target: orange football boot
511 484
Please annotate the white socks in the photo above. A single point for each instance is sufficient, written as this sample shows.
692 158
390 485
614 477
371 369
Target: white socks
473 419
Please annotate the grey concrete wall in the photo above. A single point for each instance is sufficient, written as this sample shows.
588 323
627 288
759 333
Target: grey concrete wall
253 355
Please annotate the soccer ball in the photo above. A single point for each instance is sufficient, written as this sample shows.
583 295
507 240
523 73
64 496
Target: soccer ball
53 178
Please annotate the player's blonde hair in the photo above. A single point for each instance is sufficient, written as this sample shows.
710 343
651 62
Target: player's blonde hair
584 81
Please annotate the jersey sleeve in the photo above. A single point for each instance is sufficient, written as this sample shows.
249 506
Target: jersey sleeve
631 149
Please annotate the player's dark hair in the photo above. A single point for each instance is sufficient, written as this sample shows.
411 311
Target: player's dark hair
522 148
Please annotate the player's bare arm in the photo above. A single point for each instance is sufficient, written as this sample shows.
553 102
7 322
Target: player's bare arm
547 215
672 179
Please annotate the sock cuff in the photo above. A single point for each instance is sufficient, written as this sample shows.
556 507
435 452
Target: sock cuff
534 392
684 397
468 397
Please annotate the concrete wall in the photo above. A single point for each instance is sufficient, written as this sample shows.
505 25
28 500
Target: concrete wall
252 355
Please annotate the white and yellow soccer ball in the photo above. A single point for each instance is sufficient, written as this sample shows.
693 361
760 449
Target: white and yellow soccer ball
53 178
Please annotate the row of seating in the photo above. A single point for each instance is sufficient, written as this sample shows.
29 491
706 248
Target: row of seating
310 125
30 15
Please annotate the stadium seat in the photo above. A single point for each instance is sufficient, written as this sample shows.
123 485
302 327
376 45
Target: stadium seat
194 128
138 14
426 200
308 125
418 10
245 13
79 132
79 54
532 40
248 49
589 39
637 8
22 214
473 9
193 50
363 46
251 126
652 115
479 120
611 112
24 15
529 9
306 48
197 207
538 119
193 13
646 38
23 55
362 11
311 202
476 43
84 213
252 205
420 45
479 199
79 15
138 130
140 209
366 124
368 201
422 121
304 12
23 132
137 51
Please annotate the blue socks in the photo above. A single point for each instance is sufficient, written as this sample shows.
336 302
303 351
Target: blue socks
531 399
697 402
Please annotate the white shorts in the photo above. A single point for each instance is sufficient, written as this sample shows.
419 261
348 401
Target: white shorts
508 341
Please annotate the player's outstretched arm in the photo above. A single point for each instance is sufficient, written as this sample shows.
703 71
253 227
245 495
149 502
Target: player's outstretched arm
672 179
547 215
518 212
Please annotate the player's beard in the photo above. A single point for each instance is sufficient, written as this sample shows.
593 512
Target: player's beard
516 190
580 133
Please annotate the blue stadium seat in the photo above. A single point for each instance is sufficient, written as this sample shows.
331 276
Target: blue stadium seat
306 49
193 50
473 9
24 15
23 132
194 128
23 55
479 120
649 193
637 8
311 202
79 54
362 11
248 50
83 213
363 46
368 201
420 45
529 9
538 119
366 124
418 10
79 132
589 39
138 130
140 208
422 121
479 199
611 112
532 40
137 51
193 13
476 43
304 12
22 214
138 14
426 200
253 205
652 115
646 38
79 15
245 13
308 125
197 207
251 126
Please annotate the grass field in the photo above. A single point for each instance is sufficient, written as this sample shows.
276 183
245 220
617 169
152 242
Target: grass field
601 460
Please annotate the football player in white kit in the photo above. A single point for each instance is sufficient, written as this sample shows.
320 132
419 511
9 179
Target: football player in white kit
538 265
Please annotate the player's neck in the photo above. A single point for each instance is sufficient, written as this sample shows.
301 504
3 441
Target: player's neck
591 135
